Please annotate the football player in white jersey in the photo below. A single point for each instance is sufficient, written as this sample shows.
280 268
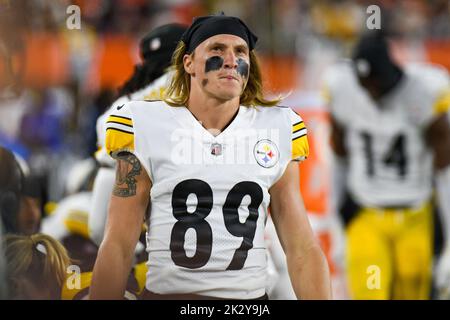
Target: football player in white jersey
148 81
390 135
209 161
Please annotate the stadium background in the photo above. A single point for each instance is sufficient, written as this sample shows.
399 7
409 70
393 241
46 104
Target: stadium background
55 82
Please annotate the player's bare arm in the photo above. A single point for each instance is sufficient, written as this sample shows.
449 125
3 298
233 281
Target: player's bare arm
337 138
340 168
307 265
127 209
438 136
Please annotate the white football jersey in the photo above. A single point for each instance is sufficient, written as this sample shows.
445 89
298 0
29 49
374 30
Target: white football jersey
209 196
390 163
153 91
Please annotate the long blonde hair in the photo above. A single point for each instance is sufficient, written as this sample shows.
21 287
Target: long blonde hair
39 258
178 90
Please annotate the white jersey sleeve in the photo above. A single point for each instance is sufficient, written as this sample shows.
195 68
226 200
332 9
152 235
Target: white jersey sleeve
153 91
101 155
120 134
119 131
433 88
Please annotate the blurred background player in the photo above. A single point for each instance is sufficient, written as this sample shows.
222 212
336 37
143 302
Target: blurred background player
147 82
390 135
35 266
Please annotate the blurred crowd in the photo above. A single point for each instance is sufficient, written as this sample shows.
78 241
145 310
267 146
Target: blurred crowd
55 81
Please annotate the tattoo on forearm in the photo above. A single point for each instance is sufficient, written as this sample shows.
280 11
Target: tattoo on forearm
128 167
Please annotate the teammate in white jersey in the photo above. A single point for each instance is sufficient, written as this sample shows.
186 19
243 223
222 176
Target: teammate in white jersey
148 81
390 136
209 165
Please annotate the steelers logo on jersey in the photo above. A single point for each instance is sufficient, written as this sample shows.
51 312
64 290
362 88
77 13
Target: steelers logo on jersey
266 153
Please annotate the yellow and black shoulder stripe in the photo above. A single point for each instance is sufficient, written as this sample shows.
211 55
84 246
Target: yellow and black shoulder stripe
300 146
298 130
119 123
119 134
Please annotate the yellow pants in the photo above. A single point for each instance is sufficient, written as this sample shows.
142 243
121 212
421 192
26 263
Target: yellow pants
389 253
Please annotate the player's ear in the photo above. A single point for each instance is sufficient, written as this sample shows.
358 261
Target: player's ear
188 64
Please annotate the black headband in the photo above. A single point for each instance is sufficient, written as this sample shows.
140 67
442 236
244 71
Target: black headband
208 26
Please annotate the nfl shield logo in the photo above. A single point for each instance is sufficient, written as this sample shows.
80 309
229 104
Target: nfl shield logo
216 149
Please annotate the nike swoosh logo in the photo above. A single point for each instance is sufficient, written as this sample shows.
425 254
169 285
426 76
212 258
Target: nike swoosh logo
120 107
